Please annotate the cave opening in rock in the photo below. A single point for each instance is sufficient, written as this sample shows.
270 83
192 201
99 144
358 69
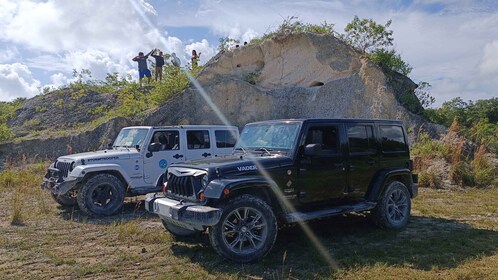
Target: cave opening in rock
316 84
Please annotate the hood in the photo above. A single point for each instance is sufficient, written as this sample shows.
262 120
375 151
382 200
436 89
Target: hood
237 164
102 156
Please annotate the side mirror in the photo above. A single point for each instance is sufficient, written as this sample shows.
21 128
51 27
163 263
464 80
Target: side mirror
312 150
109 146
154 147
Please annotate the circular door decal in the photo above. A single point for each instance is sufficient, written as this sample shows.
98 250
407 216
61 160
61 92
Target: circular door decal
163 163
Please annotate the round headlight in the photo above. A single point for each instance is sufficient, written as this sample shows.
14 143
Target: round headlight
204 181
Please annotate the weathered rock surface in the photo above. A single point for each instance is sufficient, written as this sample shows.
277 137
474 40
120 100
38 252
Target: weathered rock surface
51 148
296 76
299 76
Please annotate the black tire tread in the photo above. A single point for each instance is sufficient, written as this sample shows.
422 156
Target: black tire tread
64 200
379 212
97 179
244 199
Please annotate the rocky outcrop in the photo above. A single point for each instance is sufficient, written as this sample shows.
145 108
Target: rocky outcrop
299 76
296 76
61 109
51 148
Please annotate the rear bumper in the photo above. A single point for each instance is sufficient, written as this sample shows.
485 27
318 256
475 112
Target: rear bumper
414 185
189 216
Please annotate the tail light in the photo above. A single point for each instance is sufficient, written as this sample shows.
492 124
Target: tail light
165 187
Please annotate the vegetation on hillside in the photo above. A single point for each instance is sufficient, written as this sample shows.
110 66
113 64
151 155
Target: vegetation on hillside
7 111
478 120
133 101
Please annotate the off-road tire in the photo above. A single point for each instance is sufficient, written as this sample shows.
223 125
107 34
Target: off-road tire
393 208
180 233
102 194
256 221
65 200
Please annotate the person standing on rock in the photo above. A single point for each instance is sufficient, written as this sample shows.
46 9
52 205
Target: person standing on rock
175 60
159 65
143 70
195 59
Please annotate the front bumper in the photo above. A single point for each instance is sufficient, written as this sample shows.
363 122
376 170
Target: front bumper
189 216
56 185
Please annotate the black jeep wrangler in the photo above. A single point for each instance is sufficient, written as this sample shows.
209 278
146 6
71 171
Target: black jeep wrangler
287 171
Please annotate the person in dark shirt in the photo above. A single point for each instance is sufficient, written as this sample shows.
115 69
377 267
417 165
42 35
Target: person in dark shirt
143 71
159 65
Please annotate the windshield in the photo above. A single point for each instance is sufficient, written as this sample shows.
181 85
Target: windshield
130 137
269 137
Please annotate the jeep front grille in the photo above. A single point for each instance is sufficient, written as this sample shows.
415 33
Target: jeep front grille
181 186
63 168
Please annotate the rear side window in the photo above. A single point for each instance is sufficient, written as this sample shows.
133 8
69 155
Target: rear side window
361 139
198 139
225 138
393 138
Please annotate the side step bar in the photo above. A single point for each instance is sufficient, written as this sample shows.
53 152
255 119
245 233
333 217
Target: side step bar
305 216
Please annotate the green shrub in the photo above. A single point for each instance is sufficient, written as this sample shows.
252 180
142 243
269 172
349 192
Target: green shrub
430 179
484 171
389 60
428 148
5 133
461 174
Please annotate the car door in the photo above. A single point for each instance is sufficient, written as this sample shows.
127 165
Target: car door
363 158
172 151
322 177
225 140
198 144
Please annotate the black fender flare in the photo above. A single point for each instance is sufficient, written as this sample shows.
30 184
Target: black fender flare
378 184
216 188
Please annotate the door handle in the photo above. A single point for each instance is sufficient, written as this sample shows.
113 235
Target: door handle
206 155
177 156
371 161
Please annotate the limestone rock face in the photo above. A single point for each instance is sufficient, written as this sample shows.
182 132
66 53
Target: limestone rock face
298 76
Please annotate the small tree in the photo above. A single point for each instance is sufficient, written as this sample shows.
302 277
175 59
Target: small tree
390 60
367 36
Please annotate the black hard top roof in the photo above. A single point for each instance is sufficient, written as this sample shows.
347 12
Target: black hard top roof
336 120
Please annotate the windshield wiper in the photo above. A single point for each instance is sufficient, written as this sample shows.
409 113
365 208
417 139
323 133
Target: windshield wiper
264 150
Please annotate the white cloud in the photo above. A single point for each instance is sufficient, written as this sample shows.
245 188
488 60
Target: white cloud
58 25
9 54
16 80
489 61
201 47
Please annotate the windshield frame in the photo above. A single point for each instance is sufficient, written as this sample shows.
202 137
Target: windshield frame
141 132
266 149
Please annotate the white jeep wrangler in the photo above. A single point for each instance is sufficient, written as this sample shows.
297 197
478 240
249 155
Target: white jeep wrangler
134 165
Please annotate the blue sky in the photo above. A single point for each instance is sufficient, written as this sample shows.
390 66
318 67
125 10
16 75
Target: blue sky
452 44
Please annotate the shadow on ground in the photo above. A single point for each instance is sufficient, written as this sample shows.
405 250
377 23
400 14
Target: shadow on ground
353 241
132 209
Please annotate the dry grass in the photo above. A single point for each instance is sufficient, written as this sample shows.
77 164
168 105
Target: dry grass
452 235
